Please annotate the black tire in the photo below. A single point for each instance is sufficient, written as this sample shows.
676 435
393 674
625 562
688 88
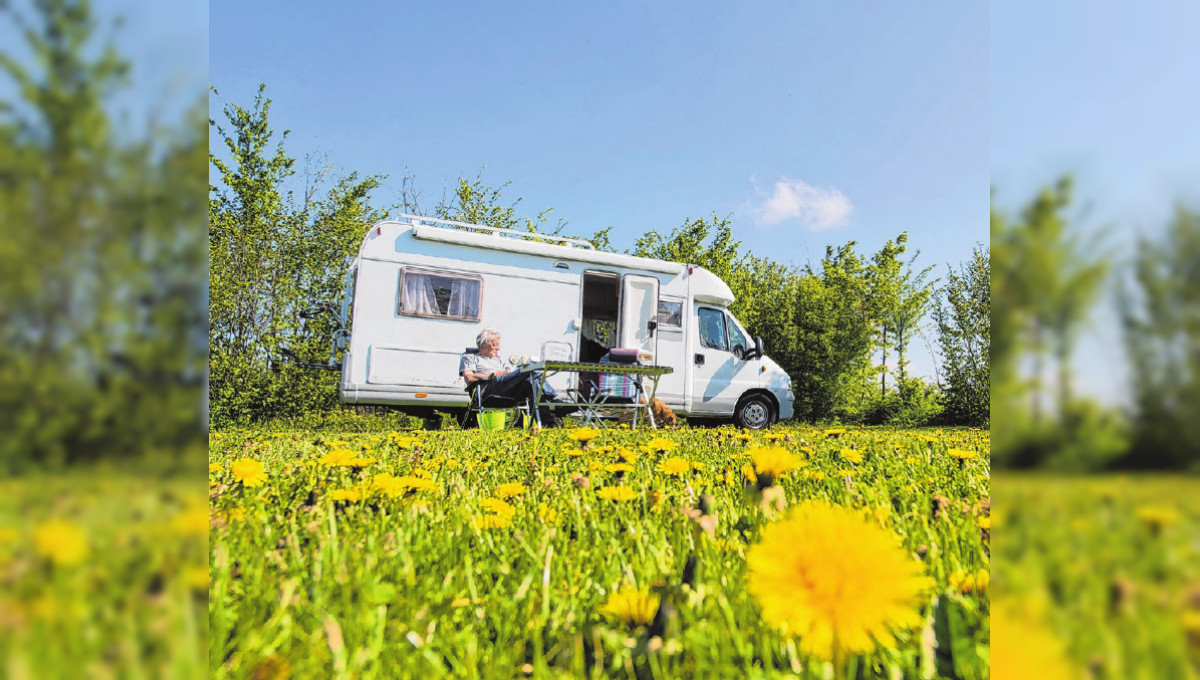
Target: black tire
754 412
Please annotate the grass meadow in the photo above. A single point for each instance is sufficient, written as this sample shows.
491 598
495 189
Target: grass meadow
801 552
1096 577
103 574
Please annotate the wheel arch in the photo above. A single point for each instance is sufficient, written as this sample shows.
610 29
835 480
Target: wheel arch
759 392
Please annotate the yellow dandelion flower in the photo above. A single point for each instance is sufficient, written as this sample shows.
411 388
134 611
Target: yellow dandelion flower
193 522
971 583
837 582
249 472
675 466
621 468
631 607
619 494
1022 648
418 483
815 475
547 515
498 507
836 432
359 462
961 454
584 435
387 484
852 455
491 522
748 473
337 457
849 472
663 445
983 522
62 543
628 455
196 578
770 462
1157 517
213 467
1190 621
8 536
510 490
910 460
773 436
347 495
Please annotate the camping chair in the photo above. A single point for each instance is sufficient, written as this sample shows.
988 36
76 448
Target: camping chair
475 404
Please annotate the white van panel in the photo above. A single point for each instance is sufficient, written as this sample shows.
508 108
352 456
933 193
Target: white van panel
415 366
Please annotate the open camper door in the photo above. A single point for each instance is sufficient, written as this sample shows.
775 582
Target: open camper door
639 312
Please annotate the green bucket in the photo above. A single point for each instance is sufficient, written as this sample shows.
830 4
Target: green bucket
491 420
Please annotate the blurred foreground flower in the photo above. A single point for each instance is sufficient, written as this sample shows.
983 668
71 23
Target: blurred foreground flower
60 542
1022 649
1158 517
770 462
249 472
631 607
840 584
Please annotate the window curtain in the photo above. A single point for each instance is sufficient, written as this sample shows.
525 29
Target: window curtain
464 298
418 294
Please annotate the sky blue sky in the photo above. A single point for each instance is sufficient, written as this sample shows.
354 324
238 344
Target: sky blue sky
808 123
1105 91
638 115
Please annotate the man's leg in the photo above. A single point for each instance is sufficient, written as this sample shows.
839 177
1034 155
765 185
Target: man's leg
519 387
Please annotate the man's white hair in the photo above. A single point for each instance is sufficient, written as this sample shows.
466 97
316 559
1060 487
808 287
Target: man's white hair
485 336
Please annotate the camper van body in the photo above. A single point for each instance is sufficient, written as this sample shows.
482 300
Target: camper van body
421 289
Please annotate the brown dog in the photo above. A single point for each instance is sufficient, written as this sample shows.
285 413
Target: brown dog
663 415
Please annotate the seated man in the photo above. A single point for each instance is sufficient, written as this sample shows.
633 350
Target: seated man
502 379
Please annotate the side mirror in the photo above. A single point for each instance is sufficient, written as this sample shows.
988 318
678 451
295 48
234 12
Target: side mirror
758 347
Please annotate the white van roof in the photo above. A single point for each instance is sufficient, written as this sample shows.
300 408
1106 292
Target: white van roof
706 286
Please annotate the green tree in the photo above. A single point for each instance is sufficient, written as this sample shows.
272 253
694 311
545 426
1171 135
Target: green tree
1045 282
1160 310
963 316
270 260
897 300
709 244
101 295
833 336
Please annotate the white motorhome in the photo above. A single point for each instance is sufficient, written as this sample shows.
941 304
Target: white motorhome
421 289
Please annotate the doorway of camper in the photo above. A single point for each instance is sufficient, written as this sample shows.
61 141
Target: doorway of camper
598 333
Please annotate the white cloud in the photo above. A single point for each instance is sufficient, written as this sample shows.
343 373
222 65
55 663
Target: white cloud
815 208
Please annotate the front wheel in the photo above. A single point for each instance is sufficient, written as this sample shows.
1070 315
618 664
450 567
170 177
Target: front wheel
754 413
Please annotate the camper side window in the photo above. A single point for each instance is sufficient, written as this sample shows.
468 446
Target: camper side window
712 329
737 341
670 314
440 295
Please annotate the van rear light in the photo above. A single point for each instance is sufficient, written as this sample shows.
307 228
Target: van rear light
422 395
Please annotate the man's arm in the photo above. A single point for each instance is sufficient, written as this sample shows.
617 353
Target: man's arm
473 376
